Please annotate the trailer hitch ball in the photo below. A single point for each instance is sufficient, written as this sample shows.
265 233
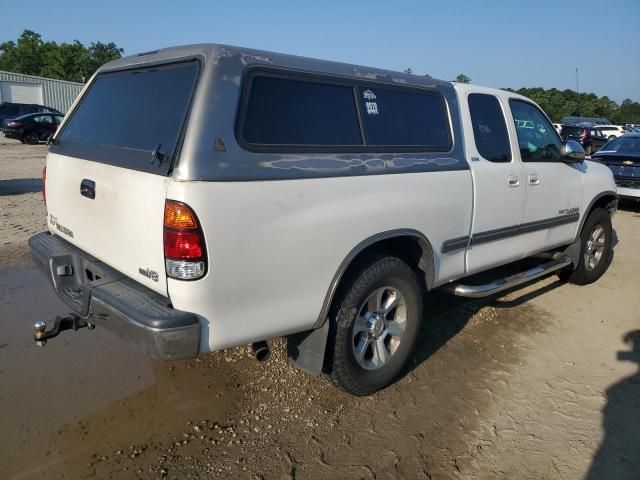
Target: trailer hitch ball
40 334
60 324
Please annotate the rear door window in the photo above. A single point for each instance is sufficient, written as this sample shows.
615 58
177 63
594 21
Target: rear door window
127 115
298 113
489 128
404 118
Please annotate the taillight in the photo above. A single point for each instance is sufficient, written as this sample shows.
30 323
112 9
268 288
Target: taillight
44 181
184 248
584 135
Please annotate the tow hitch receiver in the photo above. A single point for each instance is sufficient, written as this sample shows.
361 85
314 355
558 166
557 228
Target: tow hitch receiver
70 322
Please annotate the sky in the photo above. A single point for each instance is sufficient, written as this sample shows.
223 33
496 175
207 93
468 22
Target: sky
499 43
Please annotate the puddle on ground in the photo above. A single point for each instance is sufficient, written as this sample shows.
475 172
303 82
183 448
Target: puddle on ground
86 392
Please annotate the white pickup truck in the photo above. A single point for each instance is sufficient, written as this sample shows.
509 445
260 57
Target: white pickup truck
207 196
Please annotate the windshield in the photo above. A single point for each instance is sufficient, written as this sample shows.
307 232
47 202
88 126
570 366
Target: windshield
623 144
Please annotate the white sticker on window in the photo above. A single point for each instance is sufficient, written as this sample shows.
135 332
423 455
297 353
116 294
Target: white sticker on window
369 95
372 108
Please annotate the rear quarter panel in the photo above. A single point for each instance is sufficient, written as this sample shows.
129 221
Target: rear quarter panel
274 246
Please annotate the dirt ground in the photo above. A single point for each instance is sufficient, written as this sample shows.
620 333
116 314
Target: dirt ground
542 383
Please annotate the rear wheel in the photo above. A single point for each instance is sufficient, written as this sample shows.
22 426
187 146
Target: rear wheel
374 325
596 249
31 138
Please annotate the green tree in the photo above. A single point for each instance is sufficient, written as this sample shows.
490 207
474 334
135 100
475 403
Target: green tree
629 112
101 53
558 104
67 61
25 55
462 78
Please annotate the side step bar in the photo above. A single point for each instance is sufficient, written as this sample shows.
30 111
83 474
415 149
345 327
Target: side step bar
479 291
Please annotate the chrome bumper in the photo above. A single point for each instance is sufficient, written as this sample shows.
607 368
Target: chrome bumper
626 192
106 298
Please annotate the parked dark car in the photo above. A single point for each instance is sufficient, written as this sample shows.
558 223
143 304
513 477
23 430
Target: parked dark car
622 156
591 139
582 120
9 111
33 127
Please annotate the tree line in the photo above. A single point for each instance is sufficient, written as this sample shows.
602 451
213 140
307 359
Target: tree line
567 103
563 103
30 55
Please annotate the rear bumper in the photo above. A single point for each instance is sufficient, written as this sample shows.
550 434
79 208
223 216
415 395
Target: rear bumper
106 298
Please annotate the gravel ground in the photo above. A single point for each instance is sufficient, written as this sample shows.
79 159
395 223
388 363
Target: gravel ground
22 211
530 385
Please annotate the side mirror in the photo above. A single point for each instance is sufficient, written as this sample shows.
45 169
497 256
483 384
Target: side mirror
572 152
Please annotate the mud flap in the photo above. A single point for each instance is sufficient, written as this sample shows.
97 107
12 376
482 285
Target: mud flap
306 349
573 252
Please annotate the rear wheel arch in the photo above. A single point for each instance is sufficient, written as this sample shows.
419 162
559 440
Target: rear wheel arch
407 244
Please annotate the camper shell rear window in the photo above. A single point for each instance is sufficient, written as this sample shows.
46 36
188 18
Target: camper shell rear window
132 118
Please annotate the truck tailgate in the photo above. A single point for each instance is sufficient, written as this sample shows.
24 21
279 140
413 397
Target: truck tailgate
121 225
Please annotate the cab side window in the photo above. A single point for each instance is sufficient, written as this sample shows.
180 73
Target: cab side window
537 139
489 128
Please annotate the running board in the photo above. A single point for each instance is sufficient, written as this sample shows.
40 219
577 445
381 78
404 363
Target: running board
479 291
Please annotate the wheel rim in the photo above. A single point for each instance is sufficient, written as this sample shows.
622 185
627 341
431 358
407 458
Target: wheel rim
31 138
379 328
594 248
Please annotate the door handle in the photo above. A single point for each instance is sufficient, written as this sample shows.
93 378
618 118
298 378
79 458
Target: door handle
88 188
513 181
534 179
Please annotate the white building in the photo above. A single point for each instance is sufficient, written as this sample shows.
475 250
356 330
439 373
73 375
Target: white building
18 88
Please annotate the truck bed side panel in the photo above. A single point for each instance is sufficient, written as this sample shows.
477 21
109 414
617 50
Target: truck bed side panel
274 249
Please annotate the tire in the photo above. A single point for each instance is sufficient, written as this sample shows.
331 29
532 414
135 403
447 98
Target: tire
596 249
31 138
377 312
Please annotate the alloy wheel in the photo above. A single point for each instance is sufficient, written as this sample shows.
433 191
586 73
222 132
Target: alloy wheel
594 248
379 328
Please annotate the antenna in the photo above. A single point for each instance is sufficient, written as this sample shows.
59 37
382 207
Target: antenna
578 94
